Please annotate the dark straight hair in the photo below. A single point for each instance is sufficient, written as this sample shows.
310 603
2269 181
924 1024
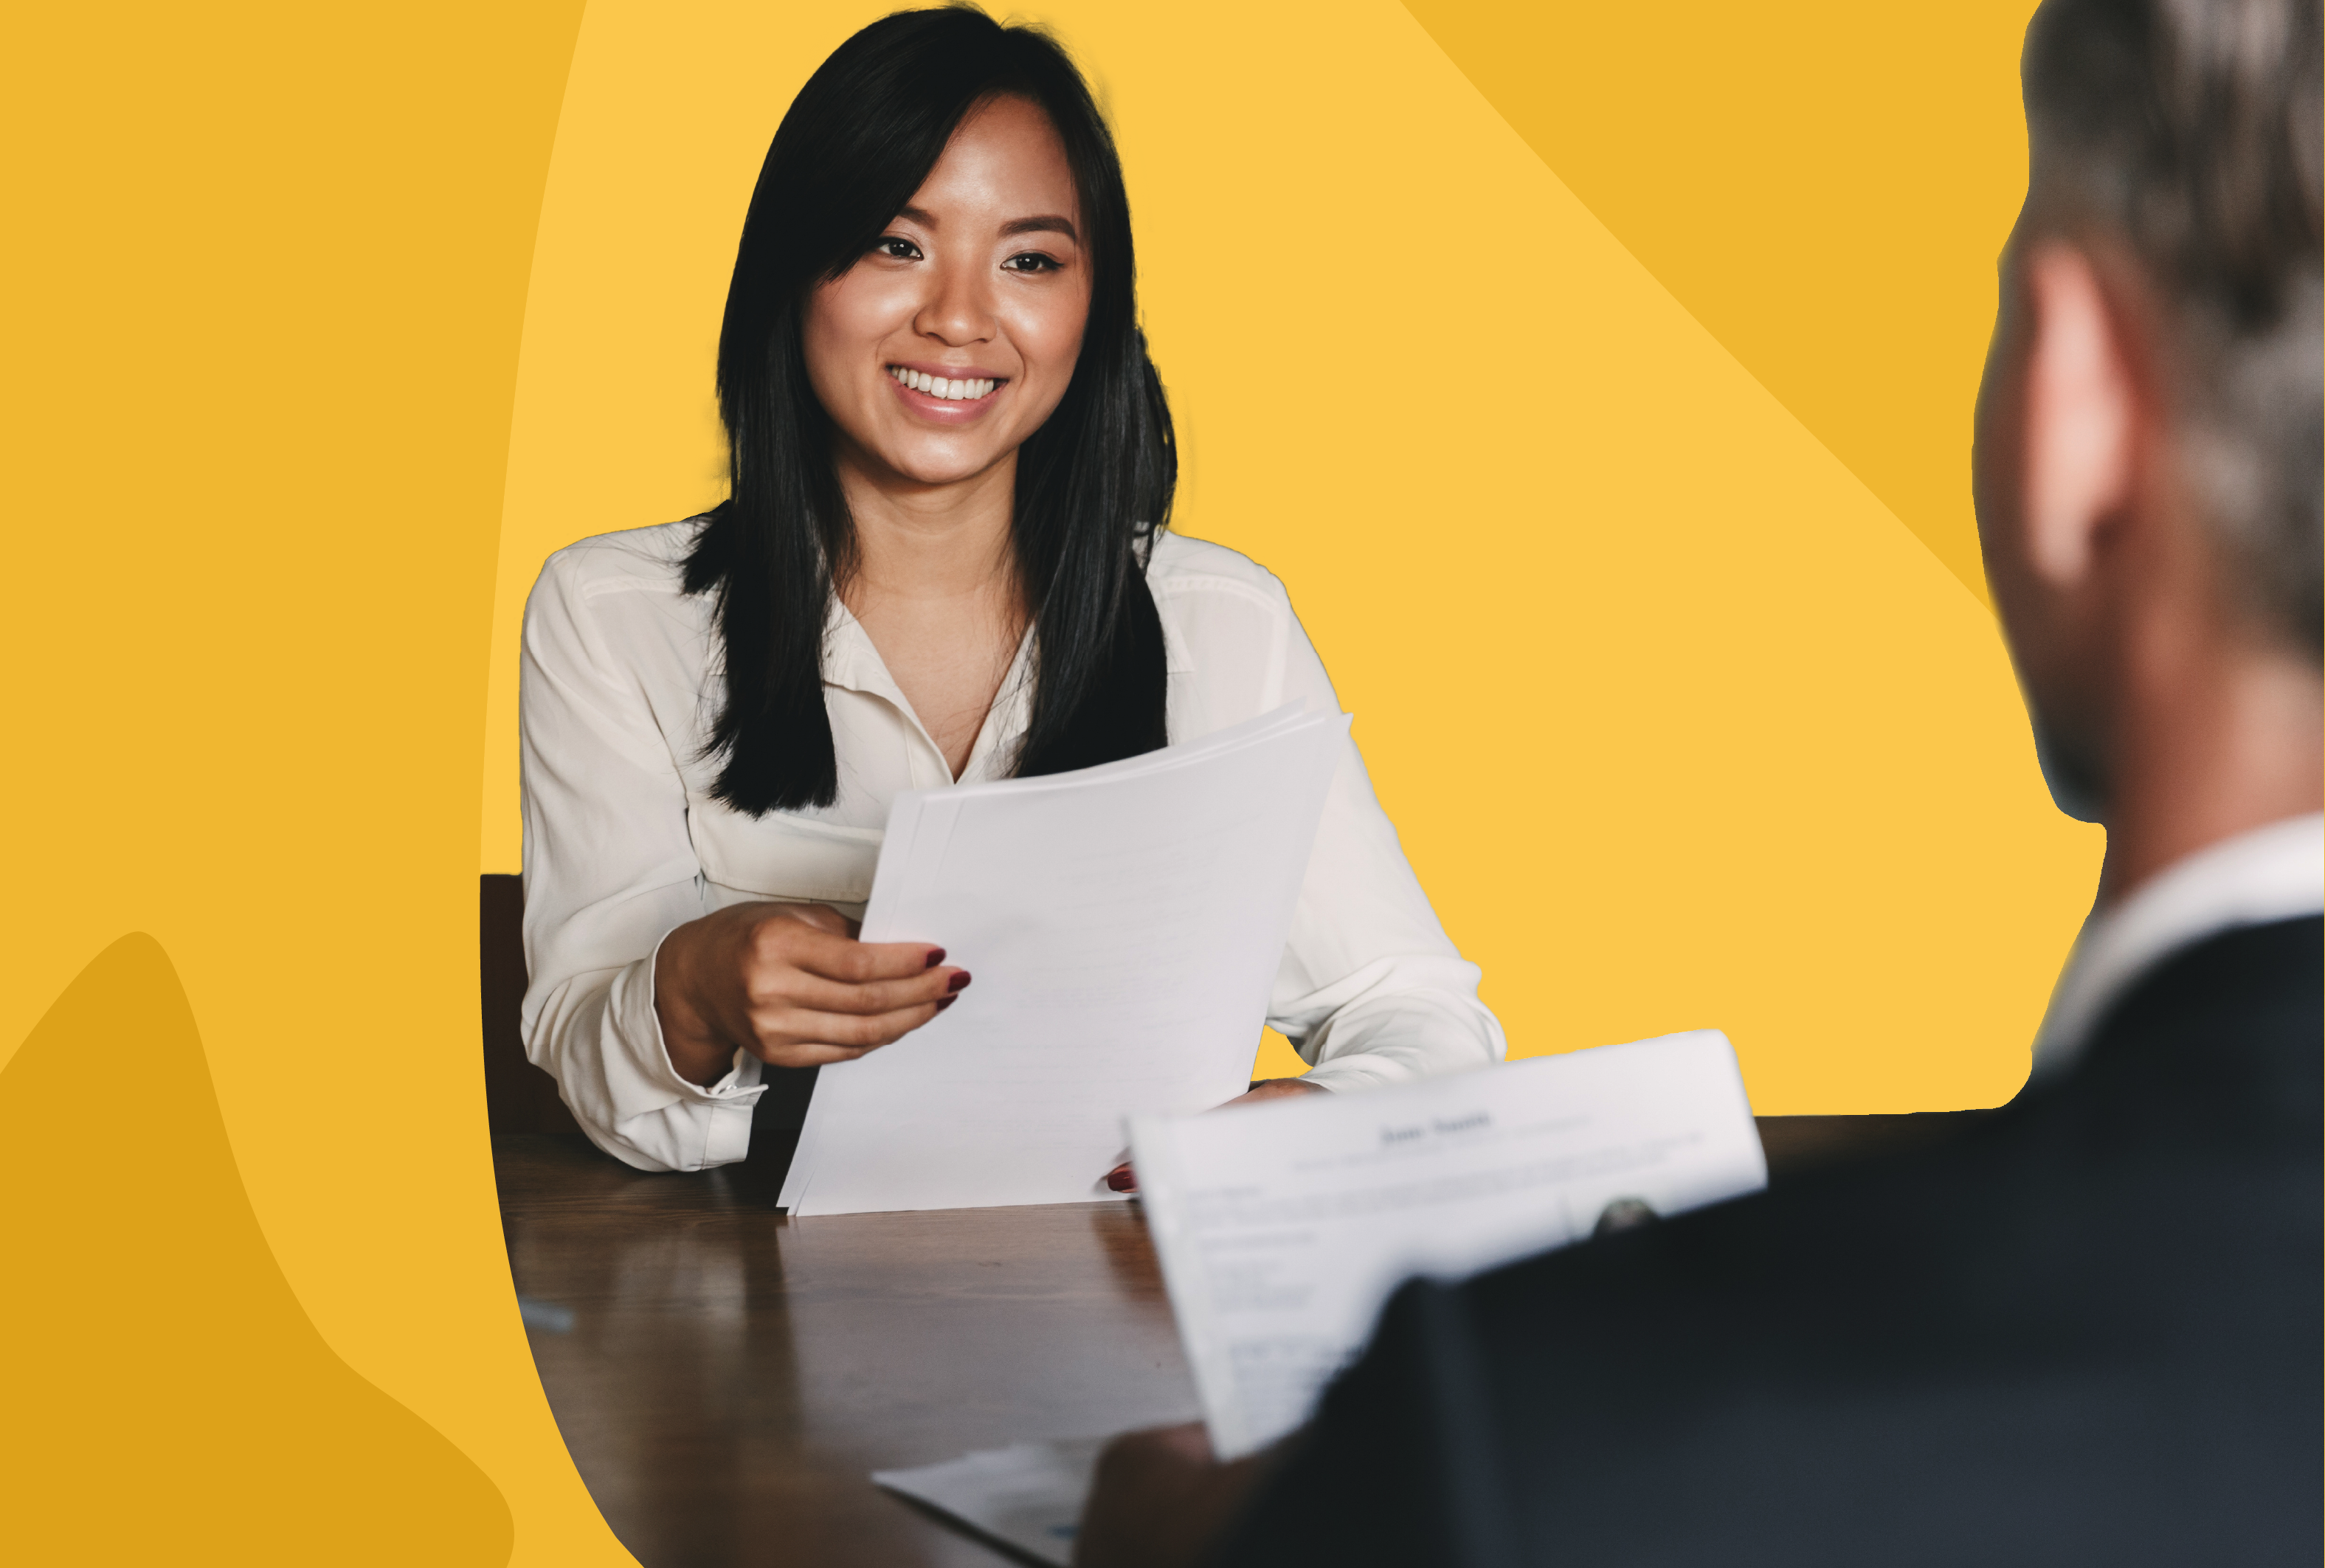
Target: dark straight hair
1093 484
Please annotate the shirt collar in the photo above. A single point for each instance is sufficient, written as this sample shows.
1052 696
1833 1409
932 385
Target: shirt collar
851 662
2268 873
1006 721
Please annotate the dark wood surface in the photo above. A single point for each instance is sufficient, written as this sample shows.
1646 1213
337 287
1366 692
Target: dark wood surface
729 1376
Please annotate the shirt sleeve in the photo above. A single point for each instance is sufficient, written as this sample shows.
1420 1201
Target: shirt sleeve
609 870
1371 990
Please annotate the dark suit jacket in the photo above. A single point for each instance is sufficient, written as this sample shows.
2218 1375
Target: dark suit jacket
2087 1332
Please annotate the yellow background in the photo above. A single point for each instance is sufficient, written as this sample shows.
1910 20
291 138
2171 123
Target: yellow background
1599 383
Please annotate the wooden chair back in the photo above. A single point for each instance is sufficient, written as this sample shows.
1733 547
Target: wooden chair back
519 1098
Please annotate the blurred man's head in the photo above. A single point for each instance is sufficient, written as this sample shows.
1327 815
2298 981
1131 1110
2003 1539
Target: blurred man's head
2150 460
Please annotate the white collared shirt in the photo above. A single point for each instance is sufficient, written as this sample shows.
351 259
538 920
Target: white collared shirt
623 842
2273 873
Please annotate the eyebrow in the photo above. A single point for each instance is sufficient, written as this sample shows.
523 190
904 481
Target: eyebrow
1047 223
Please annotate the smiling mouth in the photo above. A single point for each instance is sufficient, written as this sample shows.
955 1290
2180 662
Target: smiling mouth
937 386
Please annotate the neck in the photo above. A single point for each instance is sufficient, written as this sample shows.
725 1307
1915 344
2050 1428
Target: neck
919 542
2231 738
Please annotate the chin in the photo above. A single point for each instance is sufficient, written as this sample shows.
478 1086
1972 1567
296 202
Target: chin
944 467
2070 769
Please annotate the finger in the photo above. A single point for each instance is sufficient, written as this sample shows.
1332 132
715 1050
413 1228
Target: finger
855 1030
1122 1179
795 1054
1182 1446
782 1052
813 993
840 958
1190 1440
821 916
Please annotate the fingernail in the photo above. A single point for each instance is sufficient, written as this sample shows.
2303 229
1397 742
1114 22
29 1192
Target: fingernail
1122 1179
944 1002
959 981
936 957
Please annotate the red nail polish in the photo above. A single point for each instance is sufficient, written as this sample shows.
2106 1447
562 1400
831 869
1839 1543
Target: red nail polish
944 1002
936 957
1122 1179
959 981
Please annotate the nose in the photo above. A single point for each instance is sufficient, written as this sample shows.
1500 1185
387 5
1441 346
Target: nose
957 309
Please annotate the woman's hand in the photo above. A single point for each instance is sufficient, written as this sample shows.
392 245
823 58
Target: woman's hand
1123 1179
790 984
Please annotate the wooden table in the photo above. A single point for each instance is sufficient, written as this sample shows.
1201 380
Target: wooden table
731 1377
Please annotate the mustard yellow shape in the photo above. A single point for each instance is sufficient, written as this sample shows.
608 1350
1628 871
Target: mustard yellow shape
1822 183
167 1398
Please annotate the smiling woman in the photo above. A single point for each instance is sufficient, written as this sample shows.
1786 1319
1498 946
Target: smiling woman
938 356
943 559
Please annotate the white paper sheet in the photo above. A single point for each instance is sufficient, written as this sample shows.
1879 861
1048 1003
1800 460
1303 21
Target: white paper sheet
1028 1496
1123 926
1283 1226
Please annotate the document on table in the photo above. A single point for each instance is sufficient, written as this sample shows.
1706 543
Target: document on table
1028 1496
1123 925
1283 1226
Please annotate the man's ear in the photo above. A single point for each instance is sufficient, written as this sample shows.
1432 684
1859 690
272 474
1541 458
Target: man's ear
2080 414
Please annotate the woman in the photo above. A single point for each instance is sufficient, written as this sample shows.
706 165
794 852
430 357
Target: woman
943 559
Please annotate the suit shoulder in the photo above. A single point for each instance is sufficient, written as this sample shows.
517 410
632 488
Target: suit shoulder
2219 1040
2244 971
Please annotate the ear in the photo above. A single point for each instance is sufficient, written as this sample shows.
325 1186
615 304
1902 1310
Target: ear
2079 411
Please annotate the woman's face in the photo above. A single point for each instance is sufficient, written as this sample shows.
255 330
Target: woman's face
950 341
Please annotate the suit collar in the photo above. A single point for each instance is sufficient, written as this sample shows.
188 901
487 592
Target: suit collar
2269 873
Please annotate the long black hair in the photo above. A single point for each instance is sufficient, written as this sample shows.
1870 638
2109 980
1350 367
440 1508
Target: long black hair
1093 484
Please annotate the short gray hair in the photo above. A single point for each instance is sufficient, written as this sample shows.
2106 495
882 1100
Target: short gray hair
2192 130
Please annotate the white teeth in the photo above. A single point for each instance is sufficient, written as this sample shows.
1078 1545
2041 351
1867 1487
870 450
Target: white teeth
938 386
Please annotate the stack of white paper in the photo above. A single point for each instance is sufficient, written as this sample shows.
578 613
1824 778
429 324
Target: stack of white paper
1284 1226
1123 925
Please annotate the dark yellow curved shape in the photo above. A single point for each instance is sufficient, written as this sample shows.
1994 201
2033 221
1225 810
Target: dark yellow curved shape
167 1398
1823 184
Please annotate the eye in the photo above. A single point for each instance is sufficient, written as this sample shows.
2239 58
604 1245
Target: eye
1031 261
895 248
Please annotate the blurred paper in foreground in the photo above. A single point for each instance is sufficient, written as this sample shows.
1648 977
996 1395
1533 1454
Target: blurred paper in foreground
1283 1226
